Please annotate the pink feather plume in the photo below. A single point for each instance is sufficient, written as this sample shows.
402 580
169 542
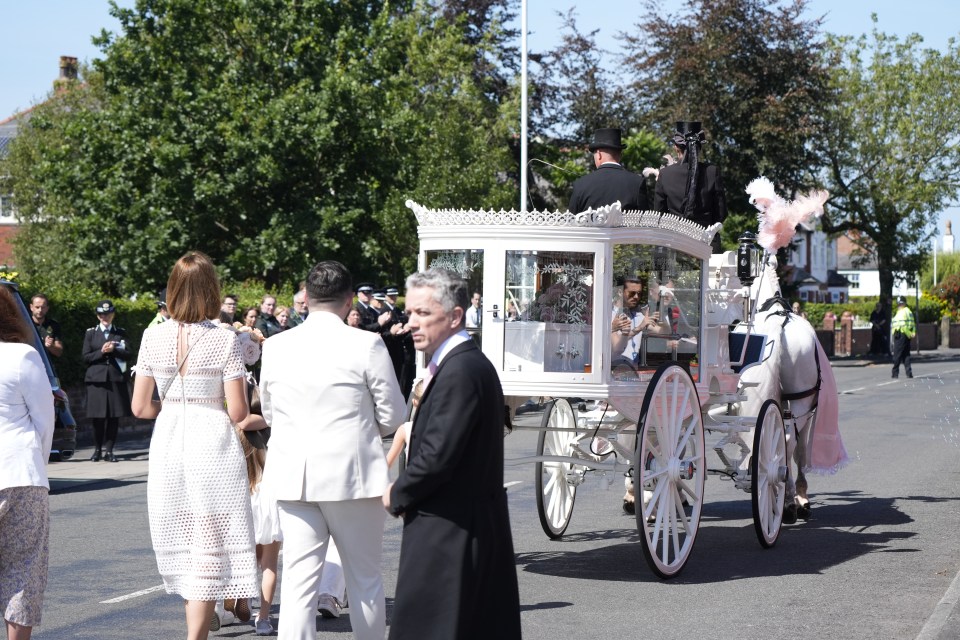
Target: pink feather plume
778 217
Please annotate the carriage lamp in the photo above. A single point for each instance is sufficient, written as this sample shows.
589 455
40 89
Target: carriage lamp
748 258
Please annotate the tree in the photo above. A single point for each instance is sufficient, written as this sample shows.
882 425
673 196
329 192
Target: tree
891 145
750 71
269 133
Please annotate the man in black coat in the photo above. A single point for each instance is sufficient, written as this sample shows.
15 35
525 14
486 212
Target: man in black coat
610 182
692 188
457 575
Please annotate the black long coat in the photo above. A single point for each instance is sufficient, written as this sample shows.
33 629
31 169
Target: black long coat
107 393
609 183
711 204
457 576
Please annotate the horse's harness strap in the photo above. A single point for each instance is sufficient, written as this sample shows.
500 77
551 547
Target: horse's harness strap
808 392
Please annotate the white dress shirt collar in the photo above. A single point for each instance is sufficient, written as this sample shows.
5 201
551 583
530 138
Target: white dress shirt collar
449 345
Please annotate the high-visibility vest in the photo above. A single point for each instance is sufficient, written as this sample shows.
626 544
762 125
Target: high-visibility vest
903 322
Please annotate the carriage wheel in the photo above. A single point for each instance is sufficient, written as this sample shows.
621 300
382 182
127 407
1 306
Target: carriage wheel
669 469
768 466
556 486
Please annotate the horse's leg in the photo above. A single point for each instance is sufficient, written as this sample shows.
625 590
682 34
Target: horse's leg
803 502
789 498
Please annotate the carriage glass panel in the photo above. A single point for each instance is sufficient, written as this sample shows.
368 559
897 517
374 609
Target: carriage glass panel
549 311
468 264
657 290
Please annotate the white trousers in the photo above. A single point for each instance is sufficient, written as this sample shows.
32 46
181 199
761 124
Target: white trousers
357 525
331 580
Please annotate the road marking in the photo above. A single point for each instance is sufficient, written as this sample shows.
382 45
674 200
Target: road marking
507 485
135 594
941 612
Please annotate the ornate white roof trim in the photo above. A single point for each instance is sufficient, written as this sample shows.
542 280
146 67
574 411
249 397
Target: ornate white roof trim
609 216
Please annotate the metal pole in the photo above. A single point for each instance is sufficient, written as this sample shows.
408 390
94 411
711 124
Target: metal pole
523 107
934 262
916 319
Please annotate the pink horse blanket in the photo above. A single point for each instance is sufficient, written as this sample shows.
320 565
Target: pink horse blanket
825 452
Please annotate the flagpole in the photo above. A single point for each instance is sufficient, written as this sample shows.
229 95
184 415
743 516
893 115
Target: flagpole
523 106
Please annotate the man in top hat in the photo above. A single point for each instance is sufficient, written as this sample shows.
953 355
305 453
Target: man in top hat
610 182
904 328
692 188
162 314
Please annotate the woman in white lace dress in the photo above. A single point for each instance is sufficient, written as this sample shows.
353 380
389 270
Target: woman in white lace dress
197 490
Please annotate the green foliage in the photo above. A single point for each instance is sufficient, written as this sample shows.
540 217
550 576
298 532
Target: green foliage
947 264
890 146
269 134
931 310
749 70
949 292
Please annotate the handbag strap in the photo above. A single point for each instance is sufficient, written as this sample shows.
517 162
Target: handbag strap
176 373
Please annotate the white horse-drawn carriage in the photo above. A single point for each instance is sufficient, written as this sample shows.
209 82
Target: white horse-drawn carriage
553 288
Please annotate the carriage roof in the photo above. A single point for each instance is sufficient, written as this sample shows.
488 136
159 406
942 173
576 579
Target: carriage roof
649 227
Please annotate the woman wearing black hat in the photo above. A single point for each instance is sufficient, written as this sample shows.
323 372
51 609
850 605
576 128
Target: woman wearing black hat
108 399
692 188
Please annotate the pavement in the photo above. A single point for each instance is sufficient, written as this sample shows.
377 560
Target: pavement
134 441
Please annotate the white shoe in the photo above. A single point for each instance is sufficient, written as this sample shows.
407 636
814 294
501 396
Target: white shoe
264 626
224 616
328 606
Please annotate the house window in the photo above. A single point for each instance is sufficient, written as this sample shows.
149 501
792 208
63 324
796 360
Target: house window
853 279
6 207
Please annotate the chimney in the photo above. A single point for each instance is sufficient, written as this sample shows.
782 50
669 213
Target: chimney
68 73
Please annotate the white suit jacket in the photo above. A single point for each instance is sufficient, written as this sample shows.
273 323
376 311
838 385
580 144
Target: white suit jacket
329 392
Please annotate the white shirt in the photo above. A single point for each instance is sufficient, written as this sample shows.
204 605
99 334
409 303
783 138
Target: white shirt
473 317
26 417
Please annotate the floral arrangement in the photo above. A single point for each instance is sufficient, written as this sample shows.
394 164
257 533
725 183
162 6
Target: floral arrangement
567 300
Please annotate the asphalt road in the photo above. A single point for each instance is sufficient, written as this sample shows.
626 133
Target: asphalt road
877 560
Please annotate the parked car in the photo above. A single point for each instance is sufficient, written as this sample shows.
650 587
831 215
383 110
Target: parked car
65 429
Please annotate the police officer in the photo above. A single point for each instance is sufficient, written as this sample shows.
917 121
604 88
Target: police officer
904 328
108 399
692 188
610 182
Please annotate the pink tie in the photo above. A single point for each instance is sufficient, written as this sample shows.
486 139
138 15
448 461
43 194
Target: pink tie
431 371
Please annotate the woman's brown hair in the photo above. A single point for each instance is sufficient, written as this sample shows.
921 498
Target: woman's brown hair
13 328
193 290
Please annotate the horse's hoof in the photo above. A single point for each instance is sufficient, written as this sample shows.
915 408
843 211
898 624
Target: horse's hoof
790 514
803 512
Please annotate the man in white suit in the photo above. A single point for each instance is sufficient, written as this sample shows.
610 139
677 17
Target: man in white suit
329 393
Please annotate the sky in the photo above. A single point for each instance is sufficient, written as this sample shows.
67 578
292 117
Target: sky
38 32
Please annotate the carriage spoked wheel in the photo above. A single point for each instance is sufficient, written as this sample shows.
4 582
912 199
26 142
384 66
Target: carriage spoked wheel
768 466
556 481
669 470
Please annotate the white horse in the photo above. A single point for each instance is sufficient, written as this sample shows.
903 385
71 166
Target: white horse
796 372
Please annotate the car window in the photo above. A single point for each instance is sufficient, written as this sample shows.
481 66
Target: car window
37 340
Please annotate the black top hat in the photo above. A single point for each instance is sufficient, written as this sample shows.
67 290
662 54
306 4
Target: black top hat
105 306
162 298
392 291
901 300
605 139
365 287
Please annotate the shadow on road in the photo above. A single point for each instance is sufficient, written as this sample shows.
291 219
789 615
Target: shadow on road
842 527
79 486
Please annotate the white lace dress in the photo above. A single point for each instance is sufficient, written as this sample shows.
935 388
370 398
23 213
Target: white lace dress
197 490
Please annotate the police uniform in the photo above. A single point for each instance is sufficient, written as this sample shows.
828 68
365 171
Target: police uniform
108 397
369 317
